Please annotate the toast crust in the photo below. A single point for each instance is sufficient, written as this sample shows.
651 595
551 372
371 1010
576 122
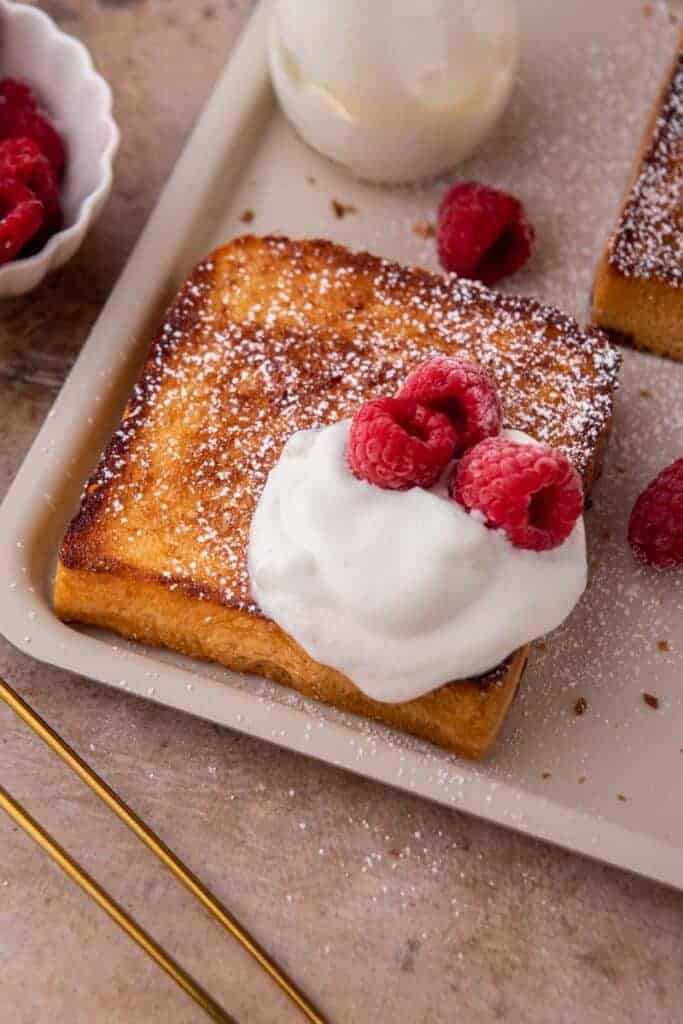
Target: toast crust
463 716
638 288
269 336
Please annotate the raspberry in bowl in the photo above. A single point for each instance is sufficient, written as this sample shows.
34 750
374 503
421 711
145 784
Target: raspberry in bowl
30 208
57 142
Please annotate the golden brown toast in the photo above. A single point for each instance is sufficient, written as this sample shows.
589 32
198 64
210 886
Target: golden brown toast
270 336
638 290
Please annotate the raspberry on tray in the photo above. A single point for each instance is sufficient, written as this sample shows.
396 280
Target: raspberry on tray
482 233
655 529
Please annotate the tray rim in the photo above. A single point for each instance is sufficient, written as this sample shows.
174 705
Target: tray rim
242 89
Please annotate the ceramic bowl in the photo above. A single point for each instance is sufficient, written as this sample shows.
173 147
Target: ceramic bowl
78 102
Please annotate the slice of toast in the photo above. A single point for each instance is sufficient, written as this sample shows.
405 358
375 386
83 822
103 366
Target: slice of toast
269 336
638 290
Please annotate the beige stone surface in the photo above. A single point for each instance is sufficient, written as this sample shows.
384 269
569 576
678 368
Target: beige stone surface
386 908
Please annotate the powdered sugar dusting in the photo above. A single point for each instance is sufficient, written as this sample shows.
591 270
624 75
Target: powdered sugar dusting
236 370
649 239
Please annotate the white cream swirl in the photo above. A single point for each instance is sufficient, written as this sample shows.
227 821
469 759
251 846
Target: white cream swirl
401 591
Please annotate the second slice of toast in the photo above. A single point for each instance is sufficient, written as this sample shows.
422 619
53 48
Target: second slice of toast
267 337
638 290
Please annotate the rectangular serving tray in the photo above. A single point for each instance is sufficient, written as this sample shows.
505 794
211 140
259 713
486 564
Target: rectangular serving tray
604 782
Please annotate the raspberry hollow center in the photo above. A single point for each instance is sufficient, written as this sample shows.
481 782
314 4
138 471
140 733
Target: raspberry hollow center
456 413
542 507
414 426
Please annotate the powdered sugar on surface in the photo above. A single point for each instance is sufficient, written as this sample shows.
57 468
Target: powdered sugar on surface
218 400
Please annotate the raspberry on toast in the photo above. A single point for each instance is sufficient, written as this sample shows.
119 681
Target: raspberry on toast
269 336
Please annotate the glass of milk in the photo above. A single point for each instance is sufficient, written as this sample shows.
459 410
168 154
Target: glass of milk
396 90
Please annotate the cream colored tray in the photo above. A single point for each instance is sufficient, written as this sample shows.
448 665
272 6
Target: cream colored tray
605 783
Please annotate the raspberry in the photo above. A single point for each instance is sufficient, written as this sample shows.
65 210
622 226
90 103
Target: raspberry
20 117
462 390
655 529
21 217
20 120
397 443
23 159
530 491
16 94
33 125
482 233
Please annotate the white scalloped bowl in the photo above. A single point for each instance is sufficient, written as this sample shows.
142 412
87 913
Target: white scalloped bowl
79 103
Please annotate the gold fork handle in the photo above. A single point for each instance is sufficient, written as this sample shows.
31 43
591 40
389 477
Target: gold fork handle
152 841
137 933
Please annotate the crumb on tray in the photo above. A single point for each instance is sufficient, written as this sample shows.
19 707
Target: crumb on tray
341 209
424 229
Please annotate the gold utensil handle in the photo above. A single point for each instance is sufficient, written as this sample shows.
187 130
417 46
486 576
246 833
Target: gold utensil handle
159 849
115 911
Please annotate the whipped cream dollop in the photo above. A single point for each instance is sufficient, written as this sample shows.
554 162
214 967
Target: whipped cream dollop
401 591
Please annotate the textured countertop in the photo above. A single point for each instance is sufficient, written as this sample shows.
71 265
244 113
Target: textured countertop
384 907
